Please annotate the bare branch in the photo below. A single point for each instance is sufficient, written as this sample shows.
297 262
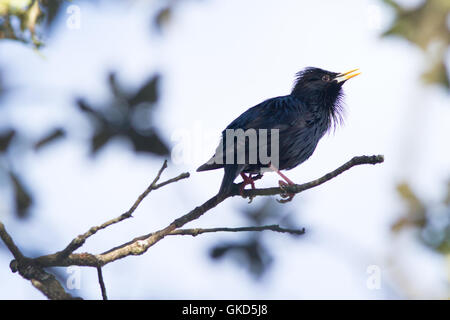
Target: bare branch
146 192
141 244
79 241
10 243
41 280
102 283
274 227
46 283
32 269
297 188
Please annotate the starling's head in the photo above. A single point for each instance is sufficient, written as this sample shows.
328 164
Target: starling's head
322 89
315 81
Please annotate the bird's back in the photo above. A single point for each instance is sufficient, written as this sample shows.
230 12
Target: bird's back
299 131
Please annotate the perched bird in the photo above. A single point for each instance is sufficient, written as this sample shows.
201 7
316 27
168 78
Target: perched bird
302 118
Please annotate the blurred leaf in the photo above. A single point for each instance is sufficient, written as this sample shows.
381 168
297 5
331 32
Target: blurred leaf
32 17
436 233
53 136
82 104
163 18
150 141
432 221
113 85
410 197
1 85
423 26
51 9
447 197
31 14
444 247
100 139
438 73
95 115
5 139
415 215
22 197
28 13
251 254
268 212
127 116
148 93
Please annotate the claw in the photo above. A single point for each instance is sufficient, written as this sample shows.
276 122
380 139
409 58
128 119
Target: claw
248 180
287 197
283 185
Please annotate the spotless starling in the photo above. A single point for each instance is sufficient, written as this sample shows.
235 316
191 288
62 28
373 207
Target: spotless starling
298 121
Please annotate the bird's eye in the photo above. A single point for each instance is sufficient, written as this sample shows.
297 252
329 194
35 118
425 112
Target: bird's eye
326 78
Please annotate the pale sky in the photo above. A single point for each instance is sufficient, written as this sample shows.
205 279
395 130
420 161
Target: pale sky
219 58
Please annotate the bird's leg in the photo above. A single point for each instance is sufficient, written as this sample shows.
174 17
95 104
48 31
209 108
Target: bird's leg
283 184
247 180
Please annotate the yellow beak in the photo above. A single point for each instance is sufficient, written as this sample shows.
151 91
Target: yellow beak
347 75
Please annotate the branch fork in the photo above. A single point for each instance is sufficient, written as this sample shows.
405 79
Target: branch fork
33 268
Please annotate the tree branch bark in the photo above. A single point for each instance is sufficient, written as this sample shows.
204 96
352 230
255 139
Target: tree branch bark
101 283
27 268
80 240
274 227
141 244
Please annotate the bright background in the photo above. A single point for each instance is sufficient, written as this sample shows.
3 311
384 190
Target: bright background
219 58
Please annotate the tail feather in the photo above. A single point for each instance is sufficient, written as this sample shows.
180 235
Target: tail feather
207 166
210 165
231 172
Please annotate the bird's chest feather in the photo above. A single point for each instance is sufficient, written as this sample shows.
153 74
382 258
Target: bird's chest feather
299 140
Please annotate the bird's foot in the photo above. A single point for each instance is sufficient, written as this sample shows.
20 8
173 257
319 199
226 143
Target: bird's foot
287 197
248 180
283 184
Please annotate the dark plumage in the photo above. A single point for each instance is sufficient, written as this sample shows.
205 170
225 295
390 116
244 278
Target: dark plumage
302 117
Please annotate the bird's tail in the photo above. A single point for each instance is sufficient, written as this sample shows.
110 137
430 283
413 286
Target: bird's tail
208 166
231 172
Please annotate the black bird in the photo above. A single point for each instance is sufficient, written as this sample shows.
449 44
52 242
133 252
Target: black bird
302 117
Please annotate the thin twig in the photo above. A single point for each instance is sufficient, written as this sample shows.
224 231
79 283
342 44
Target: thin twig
141 244
102 283
79 241
32 269
10 243
297 188
146 192
274 227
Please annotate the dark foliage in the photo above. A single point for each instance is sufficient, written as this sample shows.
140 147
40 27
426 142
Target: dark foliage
129 115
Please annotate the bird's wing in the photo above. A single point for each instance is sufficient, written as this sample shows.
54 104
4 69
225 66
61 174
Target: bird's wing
281 113
270 114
